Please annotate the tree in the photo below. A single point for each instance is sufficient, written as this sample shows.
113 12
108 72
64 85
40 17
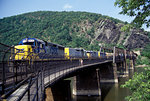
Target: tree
126 28
140 9
139 86
146 51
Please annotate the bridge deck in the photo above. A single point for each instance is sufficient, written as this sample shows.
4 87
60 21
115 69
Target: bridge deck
47 81
27 80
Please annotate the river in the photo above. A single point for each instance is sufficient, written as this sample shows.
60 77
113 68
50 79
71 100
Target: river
110 92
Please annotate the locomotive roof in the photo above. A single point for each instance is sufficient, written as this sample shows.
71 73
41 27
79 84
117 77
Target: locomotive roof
44 42
31 39
55 44
80 49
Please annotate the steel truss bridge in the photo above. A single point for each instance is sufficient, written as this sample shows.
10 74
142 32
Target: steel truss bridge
27 79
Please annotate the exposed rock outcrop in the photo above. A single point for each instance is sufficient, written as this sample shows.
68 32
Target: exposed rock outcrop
107 31
71 29
136 40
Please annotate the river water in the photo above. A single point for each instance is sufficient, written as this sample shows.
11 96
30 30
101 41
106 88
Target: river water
110 92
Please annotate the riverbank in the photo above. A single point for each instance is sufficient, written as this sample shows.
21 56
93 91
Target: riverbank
142 66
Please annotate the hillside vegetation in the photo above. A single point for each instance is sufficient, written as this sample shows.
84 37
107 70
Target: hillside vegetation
71 29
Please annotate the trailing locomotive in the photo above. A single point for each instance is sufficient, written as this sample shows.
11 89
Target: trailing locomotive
75 53
33 49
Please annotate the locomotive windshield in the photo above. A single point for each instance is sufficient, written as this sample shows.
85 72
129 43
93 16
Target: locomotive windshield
28 43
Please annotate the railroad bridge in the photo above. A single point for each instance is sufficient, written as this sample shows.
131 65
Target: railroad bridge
44 79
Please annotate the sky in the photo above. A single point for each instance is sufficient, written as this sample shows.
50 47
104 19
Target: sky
104 7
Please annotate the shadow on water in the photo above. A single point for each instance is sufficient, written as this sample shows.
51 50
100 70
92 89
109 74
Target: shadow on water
111 92
105 89
86 98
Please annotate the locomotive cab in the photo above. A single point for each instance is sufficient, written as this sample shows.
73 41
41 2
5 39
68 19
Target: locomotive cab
23 52
28 47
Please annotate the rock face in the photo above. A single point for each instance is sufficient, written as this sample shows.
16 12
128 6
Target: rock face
136 41
71 29
108 32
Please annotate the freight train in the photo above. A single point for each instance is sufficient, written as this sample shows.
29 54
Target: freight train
34 49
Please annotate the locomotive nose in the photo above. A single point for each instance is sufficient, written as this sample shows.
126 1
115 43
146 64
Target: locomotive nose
22 51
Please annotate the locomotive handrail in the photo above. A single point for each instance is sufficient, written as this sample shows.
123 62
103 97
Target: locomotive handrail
4 44
10 47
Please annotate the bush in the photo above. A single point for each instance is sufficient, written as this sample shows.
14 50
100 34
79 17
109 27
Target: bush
139 86
146 51
142 60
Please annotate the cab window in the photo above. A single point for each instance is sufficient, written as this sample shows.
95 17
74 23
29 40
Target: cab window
41 46
29 49
28 43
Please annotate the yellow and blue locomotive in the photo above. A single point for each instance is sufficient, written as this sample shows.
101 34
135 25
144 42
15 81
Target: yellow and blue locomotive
33 48
36 49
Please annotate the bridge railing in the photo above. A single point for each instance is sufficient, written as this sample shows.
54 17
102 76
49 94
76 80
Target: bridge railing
10 74
48 70
14 73
34 90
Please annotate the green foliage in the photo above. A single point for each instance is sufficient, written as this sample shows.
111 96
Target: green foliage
78 42
121 46
145 56
94 46
140 83
142 60
57 27
146 51
139 86
113 19
149 34
91 32
138 8
126 28
110 45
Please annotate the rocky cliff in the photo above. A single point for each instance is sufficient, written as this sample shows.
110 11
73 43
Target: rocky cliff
71 29
108 32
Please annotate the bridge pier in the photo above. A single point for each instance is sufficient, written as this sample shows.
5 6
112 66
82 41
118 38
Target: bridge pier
87 83
61 91
49 95
125 67
132 61
108 73
132 64
122 69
